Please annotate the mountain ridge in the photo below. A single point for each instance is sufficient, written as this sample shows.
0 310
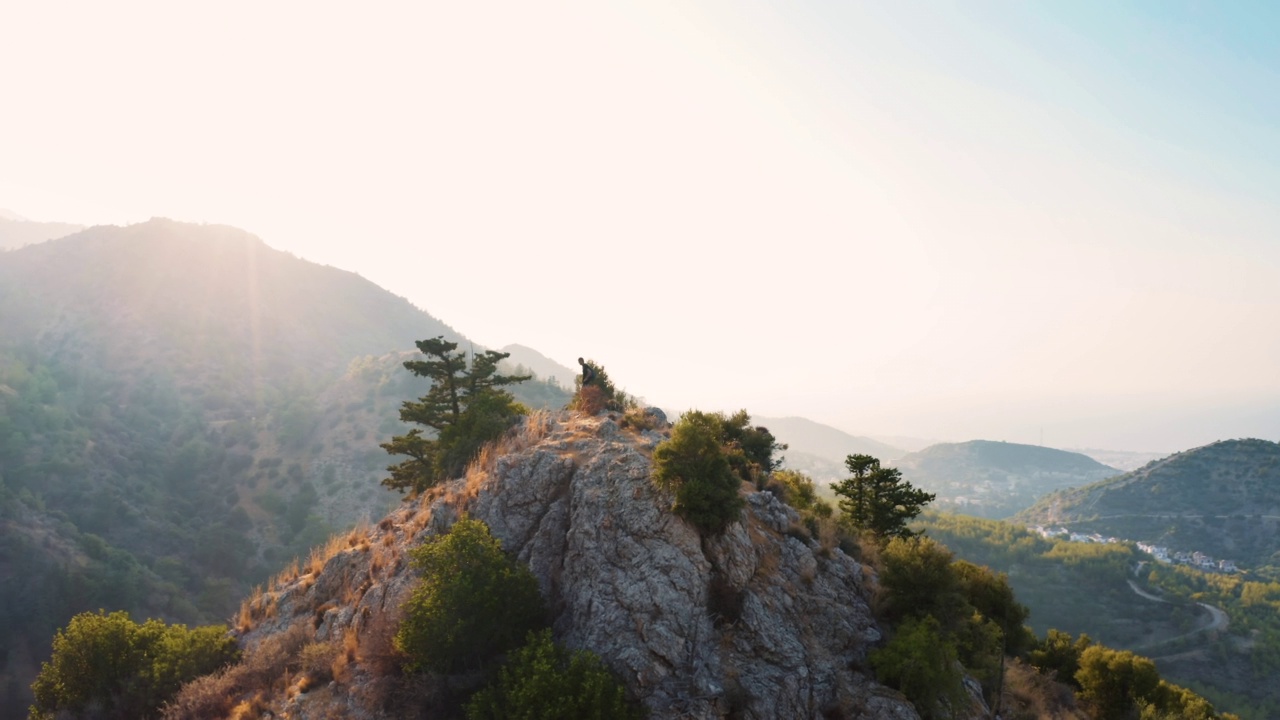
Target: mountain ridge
995 478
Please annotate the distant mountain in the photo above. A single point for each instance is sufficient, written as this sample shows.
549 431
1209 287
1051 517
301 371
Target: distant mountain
819 450
996 479
541 365
16 231
906 442
1222 499
1120 459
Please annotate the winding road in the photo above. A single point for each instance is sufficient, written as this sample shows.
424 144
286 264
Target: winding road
1220 620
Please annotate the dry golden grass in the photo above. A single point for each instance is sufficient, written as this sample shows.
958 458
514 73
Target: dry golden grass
1029 695
248 608
322 553
248 709
359 534
377 650
535 426
284 577
264 668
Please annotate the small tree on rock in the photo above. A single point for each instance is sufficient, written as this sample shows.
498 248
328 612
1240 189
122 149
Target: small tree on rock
466 407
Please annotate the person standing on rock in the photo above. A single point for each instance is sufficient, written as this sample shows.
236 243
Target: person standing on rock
588 372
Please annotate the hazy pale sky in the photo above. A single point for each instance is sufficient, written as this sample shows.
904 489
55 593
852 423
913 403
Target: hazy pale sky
969 220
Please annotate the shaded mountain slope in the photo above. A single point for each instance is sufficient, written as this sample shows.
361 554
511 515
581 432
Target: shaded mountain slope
1222 499
182 409
997 479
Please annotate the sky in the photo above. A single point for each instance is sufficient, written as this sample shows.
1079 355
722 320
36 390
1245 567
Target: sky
1048 222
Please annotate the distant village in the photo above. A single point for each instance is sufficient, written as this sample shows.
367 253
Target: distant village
1161 554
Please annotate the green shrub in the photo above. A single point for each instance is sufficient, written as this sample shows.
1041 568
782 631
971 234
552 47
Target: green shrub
918 579
473 603
545 682
694 465
107 666
921 662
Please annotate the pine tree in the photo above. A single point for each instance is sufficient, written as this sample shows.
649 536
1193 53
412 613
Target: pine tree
877 499
466 407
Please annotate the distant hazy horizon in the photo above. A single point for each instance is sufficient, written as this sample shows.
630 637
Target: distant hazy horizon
1053 222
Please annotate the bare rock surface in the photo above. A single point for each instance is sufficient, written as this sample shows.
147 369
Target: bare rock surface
759 622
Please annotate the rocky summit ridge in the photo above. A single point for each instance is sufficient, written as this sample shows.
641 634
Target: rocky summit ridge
758 622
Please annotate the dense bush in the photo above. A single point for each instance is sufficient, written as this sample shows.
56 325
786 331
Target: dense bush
545 682
799 491
921 662
694 465
473 603
107 666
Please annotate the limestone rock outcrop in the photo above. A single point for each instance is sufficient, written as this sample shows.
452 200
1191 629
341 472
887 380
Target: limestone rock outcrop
759 622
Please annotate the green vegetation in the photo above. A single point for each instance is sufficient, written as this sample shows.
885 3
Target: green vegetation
1084 588
473 602
544 682
800 492
921 662
466 407
947 610
705 462
1117 683
107 666
878 500
1212 499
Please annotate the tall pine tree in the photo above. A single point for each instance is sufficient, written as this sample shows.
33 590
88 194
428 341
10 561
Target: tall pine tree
466 407
877 499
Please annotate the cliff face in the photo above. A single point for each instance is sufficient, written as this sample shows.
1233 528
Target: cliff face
757 623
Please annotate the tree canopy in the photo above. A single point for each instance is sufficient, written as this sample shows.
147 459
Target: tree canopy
107 666
878 499
465 407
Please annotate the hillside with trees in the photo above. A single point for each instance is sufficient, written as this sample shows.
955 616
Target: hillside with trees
1116 595
1222 499
182 410
608 564
997 479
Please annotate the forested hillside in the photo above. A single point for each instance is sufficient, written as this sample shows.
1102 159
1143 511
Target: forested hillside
1222 499
1216 633
182 409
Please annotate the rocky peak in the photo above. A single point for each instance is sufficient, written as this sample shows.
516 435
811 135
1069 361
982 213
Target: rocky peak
760 622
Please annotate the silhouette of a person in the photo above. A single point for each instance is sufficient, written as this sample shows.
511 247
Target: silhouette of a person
588 372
